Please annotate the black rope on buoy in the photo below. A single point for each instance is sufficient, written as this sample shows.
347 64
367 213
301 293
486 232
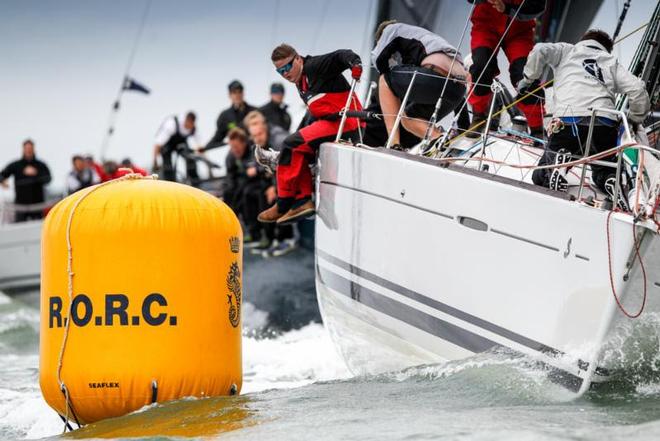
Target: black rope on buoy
66 423
154 391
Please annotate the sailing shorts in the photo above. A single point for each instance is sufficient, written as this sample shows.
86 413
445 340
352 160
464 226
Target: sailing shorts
425 91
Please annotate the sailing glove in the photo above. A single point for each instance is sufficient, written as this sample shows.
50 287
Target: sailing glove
356 71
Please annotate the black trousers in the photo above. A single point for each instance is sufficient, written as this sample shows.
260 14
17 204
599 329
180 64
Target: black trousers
253 202
279 232
573 138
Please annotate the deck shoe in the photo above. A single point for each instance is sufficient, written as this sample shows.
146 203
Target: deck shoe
558 181
621 202
297 213
271 215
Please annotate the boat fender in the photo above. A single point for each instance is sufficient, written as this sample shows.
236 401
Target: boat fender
141 294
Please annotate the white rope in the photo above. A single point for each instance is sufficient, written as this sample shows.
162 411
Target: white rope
70 273
453 59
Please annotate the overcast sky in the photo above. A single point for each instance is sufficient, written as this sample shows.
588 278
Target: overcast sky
63 61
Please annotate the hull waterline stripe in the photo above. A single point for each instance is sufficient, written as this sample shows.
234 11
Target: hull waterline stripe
387 198
407 314
457 313
427 323
442 307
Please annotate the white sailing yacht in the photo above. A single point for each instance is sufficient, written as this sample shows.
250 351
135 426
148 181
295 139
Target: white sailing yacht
424 258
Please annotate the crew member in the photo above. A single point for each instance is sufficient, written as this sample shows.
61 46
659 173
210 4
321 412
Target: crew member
325 91
231 117
490 20
172 136
267 136
246 186
275 111
82 175
30 177
586 76
402 49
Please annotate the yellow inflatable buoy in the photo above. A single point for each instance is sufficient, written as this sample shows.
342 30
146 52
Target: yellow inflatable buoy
140 298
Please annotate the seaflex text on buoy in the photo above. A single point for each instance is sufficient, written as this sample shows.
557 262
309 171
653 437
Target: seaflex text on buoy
114 311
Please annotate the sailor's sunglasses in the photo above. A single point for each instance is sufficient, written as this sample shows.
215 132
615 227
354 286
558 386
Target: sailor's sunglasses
287 67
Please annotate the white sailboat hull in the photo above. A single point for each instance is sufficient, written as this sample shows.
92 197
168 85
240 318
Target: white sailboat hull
418 263
20 254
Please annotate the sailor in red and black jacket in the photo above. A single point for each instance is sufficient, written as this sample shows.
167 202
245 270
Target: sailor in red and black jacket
490 19
324 90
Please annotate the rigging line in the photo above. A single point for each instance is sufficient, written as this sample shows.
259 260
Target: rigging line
632 32
622 17
432 122
460 42
138 37
367 43
115 105
541 86
317 31
494 54
273 29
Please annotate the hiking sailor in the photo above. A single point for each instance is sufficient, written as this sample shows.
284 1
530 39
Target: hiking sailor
490 21
172 136
325 91
586 76
402 49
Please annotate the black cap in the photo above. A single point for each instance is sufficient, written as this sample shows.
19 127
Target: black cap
235 86
277 88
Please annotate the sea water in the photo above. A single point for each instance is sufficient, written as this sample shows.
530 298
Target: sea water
297 387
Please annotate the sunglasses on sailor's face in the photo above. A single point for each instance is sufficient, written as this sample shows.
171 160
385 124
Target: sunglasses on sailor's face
287 67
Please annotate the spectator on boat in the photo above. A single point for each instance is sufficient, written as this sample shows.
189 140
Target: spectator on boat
400 51
30 177
269 136
325 91
128 163
81 176
490 20
230 117
275 111
172 137
246 184
110 170
586 76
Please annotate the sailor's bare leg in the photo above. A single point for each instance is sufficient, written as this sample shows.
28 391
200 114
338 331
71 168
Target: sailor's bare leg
390 105
418 128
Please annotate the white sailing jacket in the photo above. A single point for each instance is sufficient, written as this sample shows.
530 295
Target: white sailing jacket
587 76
